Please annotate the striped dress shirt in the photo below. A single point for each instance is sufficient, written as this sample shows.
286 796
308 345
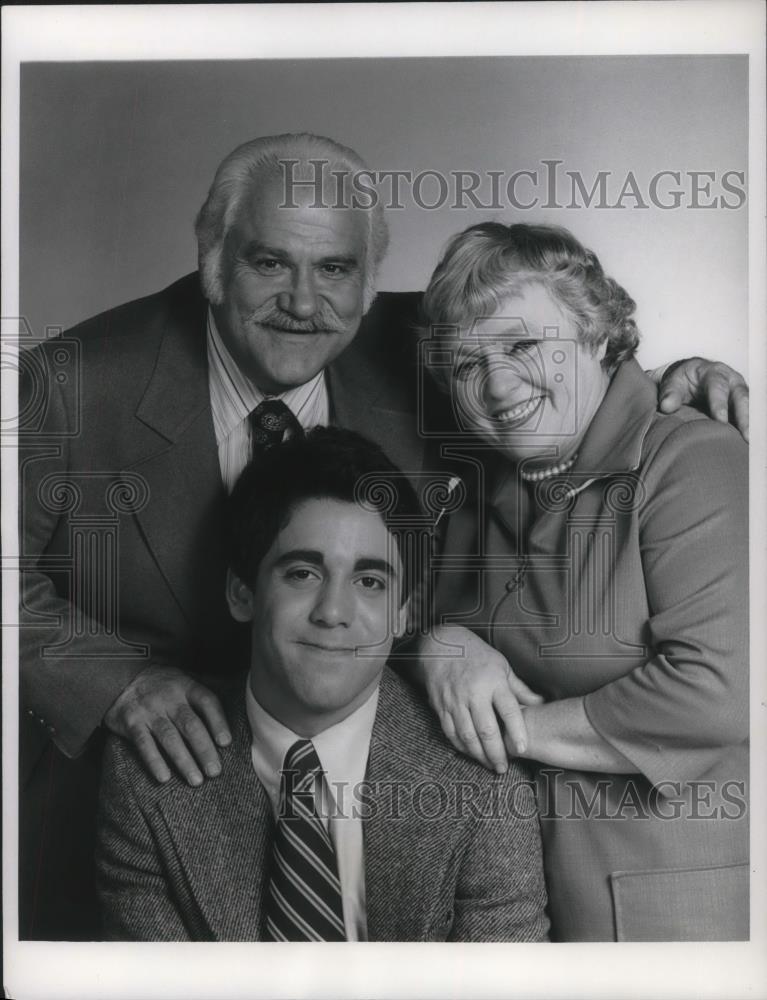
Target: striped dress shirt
233 397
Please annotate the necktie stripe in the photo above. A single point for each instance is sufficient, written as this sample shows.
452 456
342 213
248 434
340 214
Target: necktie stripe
304 898
282 924
291 841
293 759
305 787
314 839
302 805
294 917
321 882
304 874
294 901
305 889
308 919
274 930
314 825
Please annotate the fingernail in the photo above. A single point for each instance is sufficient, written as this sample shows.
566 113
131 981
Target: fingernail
212 770
521 746
164 777
502 768
195 779
223 739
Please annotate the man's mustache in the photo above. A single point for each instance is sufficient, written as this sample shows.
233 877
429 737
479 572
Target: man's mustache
324 321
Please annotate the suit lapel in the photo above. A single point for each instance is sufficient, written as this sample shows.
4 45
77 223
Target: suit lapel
180 523
407 856
386 855
366 400
222 834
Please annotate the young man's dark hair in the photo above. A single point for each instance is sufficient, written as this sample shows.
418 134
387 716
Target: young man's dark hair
328 462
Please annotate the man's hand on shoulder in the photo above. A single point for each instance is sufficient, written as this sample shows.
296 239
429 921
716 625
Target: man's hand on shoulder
163 709
711 386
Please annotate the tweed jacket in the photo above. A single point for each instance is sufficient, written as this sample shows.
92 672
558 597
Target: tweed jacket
452 852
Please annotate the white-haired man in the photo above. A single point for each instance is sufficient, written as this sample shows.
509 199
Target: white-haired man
172 391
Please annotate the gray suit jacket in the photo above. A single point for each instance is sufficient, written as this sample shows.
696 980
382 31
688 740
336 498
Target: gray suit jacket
452 852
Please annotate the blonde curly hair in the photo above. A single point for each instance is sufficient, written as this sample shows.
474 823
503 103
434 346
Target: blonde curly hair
490 262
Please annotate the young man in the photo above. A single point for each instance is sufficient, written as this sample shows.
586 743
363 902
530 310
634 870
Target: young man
341 812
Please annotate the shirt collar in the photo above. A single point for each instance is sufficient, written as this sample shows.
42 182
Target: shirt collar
233 396
613 441
342 749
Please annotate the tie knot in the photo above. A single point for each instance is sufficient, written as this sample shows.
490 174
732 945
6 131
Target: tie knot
302 758
301 778
269 422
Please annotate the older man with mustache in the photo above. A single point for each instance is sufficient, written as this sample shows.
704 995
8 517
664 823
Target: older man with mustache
174 391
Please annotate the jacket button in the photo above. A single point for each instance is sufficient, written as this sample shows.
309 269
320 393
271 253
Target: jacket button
51 729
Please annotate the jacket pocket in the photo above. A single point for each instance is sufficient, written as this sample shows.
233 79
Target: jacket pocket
682 904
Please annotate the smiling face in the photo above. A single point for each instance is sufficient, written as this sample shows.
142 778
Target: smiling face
293 287
524 383
325 609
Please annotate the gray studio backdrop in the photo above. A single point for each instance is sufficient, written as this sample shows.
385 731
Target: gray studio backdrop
117 157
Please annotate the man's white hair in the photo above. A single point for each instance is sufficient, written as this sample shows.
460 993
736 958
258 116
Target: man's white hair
238 176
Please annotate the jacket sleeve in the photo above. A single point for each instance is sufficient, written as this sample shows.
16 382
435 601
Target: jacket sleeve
67 694
134 891
676 715
500 890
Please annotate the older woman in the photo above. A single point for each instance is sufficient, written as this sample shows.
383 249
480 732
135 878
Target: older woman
600 549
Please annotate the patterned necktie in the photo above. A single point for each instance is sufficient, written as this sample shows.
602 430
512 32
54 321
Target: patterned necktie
269 422
304 897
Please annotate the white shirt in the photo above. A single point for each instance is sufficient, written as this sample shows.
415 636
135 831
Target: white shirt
343 753
233 397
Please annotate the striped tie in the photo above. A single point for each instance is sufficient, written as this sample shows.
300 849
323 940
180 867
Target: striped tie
304 898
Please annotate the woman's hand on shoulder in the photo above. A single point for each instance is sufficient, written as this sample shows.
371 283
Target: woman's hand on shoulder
477 696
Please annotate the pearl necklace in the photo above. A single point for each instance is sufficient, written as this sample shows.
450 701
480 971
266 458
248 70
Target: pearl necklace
554 470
